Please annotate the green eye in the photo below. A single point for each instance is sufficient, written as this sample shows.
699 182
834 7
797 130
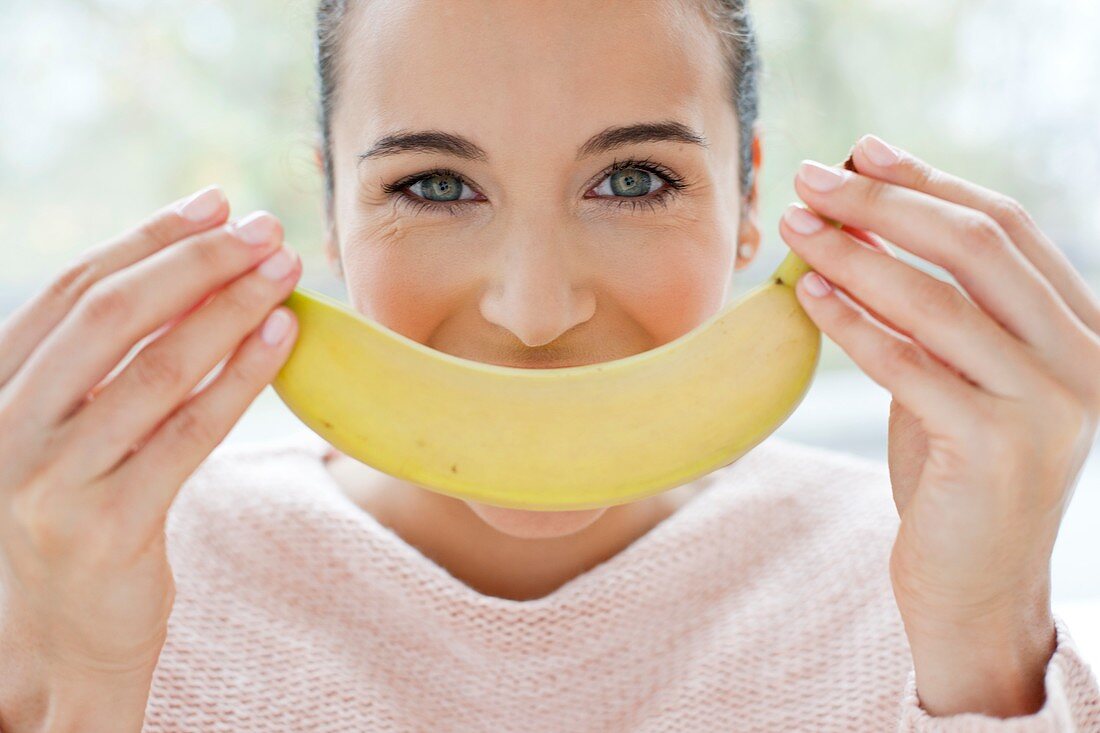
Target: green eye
439 187
630 182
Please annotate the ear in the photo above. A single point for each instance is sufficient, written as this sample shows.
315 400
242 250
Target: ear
331 244
748 234
332 248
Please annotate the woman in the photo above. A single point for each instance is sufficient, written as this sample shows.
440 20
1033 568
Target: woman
540 184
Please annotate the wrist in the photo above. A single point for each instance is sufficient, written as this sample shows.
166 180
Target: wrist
63 702
42 694
1026 607
996 668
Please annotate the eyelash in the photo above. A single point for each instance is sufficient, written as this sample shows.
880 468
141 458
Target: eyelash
674 183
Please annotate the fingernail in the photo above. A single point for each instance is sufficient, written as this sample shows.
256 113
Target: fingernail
801 220
275 327
256 228
277 265
816 285
201 206
819 177
879 151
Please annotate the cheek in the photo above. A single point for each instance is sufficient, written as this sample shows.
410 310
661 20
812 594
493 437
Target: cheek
670 276
393 263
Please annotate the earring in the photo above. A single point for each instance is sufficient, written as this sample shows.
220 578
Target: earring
745 250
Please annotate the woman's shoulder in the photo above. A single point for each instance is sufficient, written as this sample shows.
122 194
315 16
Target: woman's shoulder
795 457
833 495
286 470
787 467
247 457
300 442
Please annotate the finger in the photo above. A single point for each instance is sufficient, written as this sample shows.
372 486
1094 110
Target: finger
163 374
927 388
869 238
126 306
967 243
875 243
860 234
137 349
873 157
149 479
932 312
28 325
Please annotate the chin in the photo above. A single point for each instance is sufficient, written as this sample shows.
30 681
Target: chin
530 525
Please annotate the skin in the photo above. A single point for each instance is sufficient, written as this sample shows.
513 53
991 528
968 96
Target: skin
535 269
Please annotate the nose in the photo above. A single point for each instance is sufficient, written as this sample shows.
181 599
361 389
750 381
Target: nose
534 292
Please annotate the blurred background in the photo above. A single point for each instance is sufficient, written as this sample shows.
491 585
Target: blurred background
112 108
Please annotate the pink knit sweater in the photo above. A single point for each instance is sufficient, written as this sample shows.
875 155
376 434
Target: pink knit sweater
763 604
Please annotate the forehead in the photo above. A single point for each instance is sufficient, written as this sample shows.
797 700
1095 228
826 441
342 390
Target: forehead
528 71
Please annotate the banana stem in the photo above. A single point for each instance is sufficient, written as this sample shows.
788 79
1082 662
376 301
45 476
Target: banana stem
790 269
793 266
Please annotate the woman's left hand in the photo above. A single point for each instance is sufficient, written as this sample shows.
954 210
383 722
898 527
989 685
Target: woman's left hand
996 401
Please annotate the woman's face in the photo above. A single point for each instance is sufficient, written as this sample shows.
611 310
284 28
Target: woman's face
527 251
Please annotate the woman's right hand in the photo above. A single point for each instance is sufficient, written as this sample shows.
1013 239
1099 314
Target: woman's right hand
94 446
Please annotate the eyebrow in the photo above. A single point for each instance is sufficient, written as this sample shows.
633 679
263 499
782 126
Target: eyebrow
438 141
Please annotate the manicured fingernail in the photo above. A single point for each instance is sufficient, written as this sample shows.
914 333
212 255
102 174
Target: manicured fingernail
819 177
802 221
277 265
202 205
879 151
816 285
275 327
256 228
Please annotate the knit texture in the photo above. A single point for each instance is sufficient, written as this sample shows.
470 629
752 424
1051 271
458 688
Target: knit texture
762 604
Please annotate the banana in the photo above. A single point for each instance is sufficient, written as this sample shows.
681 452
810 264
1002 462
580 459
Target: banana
553 439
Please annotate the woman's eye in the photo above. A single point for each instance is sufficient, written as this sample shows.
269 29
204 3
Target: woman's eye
625 185
629 182
441 188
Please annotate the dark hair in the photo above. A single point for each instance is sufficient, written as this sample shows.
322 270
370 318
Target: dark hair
731 18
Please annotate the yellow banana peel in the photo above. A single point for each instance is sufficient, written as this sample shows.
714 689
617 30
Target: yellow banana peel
553 439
